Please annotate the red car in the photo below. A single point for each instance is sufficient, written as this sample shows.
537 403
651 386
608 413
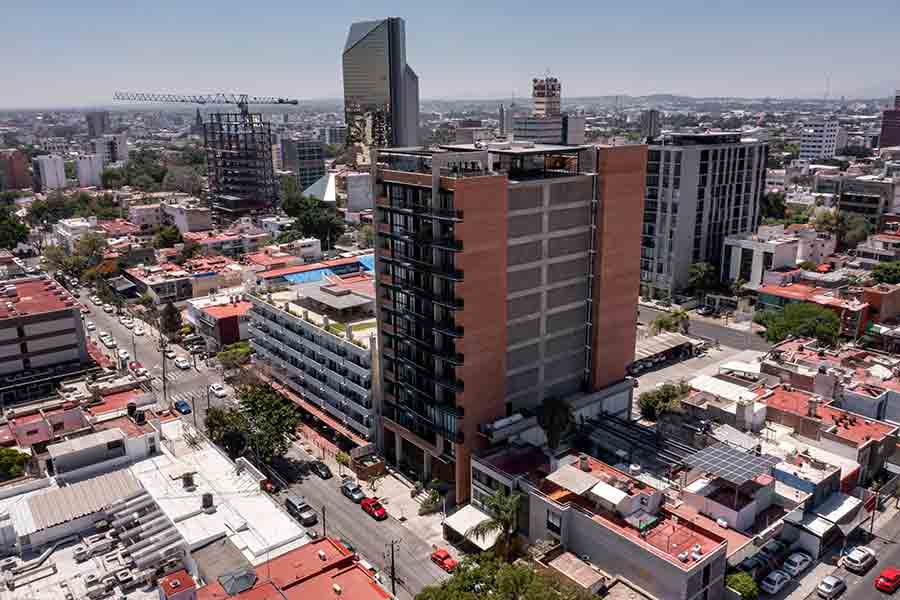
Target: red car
374 508
889 580
442 558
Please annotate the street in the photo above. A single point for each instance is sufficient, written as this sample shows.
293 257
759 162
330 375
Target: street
726 336
339 517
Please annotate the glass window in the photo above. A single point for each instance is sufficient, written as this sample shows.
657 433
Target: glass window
554 522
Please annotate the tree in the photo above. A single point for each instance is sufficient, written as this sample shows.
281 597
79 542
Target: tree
91 247
12 463
273 420
855 151
12 230
554 416
169 319
677 320
343 461
772 206
315 219
182 179
701 277
887 272
55 258
146 300
802 320
227 428
167 237
374 482
235 355
743 584
848 230
366 236
662 399
503 508
112 179
807 265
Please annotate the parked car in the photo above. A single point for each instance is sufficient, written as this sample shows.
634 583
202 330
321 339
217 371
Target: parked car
183 407
705 310
108 341
218 390
170 354
831 587
796 563
182 363
373 508
859 559
107 308
300 509
773 549
321 469
127 323
889 580
124 355
138 330
96 301
754 566
774 581
352 490
90 326
442 558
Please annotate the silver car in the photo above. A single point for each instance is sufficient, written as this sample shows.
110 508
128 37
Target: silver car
831 587
352 491
859 559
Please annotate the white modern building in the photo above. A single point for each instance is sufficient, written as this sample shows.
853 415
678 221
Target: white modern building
276 225
749 257
69 231
360 191
819 138
49 172
89 167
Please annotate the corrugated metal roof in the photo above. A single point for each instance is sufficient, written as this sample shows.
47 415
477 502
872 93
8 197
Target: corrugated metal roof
658 344
84 498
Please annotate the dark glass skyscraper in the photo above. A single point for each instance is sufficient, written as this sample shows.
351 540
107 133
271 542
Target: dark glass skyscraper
381 92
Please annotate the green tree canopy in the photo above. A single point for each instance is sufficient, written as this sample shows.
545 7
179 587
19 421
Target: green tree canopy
12 463
170 319
228 428
273 420
504 509
847 229
182 179
701 277
677 320
743 584
887 272
91 247
772 206
662 399
315 219
235 355
366 236
802 320
167 237
12 230
554 416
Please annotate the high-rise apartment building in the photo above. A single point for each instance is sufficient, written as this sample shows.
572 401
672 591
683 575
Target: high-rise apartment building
651 125
507 274
336 135
97 123
700 189
381 91
49 173
890 125
239 164
13 170
819 138
546 92
89 167
310 162
113 147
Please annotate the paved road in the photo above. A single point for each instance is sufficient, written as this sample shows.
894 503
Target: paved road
726 336
190 384
371 538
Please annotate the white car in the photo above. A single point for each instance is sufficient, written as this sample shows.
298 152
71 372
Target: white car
182 363
138 330
774 581
107 308
90 326
128 324
218 390
170 354
108 341
124 355
859 559
796 563
95 301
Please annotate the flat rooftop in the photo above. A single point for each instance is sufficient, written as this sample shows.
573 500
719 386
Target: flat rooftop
33 296
515 148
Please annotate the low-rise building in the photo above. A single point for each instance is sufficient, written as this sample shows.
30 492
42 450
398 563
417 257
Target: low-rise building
750 257
852 311
186 214
170 282
233 242
277 225
69 231
146 216
221 319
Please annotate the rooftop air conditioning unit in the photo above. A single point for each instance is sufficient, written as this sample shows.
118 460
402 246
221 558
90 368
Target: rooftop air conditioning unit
683 557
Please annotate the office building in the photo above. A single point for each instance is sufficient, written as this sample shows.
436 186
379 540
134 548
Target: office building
239 164
700 189
335 135
890 125
49 173
97 123
651 125
113 147
501 271
819 138
869 196
13 170
289 154
381 91
89 168
546 93
310 162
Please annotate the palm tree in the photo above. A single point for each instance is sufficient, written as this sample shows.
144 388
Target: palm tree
680 319
554 416
504 509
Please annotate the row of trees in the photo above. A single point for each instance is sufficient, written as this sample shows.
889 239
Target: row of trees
57 205
313 217
801 320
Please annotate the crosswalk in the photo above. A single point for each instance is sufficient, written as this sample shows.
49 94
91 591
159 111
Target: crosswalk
170 376
189 397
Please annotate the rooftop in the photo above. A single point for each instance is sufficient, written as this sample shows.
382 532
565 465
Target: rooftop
816 295
33 296
224 311
118 227
318 266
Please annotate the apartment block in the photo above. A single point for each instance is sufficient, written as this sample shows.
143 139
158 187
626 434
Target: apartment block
89 168
49 173
890 125
819 138
505 276
701 188
317 339
336 135
69 231
870 196
113 147
310 162
13 170
97 123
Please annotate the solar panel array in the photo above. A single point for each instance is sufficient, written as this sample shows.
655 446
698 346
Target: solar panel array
735 465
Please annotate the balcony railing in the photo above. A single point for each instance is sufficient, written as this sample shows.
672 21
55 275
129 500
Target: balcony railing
419 424
419 210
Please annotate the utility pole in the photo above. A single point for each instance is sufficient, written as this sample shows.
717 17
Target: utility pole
323 522
393 569
874 512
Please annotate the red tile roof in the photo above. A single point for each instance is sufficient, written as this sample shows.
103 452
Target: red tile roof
118 227
223 311
115 402
175 583
806 293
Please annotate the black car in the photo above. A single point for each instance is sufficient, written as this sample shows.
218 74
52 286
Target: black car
321 469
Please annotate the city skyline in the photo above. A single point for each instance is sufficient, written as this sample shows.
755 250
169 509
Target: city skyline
295 51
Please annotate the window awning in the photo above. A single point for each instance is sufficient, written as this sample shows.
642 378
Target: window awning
465 519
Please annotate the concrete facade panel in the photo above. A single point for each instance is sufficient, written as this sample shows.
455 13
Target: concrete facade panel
525 305
566 319
520 332
568 294
525 253
518 281
563 343
524 225
516 359
521 198
569 244
564 270
569 217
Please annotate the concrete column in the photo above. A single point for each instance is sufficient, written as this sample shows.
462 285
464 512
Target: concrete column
398 447
426 466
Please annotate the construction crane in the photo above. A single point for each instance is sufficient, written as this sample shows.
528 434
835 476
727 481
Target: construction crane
243 101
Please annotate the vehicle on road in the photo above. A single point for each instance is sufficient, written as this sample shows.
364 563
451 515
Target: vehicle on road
300 509
352 491
831 587
138 330
96 301
170 354
705 311
90 326
127 323
774 581
888 581
321 469
85 310
182 363
183 407
859 559
136 368
218 390
442 558
108 341
796 563
348 545
124 355
107 308
373 508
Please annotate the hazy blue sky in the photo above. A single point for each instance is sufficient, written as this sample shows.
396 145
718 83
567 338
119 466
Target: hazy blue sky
77 53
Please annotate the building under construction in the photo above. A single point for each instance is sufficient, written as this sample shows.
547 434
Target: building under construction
239 164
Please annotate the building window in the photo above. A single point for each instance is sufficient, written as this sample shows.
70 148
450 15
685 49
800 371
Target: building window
114 444
554 522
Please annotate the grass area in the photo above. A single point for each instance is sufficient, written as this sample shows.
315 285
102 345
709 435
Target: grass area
365 324
336 328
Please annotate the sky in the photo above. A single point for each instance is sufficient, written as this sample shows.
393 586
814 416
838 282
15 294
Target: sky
64 53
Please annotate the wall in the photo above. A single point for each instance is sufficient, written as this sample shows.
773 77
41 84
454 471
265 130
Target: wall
620 193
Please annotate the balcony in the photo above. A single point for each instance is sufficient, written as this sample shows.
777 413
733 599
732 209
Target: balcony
419 424
419 210
421 237
445 269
